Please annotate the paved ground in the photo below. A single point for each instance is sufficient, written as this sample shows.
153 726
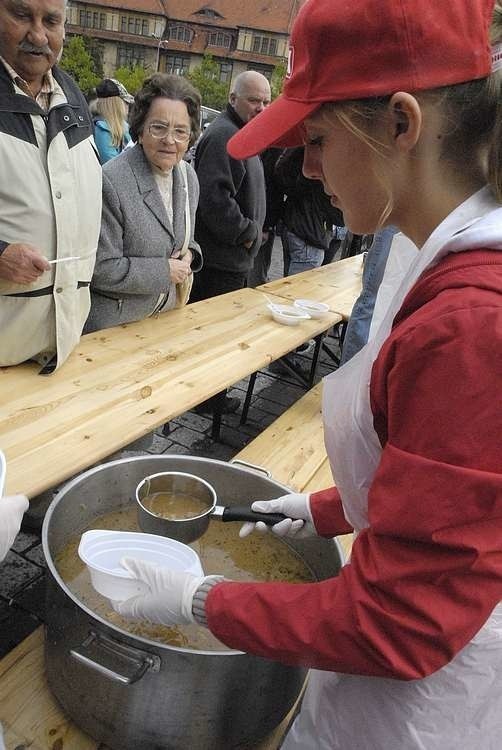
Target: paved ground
22 575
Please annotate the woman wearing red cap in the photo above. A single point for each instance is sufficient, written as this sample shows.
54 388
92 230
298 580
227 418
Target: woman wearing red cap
399 109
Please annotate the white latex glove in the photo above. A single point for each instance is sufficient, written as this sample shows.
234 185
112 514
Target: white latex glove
296 505
11 513
169 601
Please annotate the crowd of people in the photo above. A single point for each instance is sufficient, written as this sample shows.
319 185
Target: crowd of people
390 123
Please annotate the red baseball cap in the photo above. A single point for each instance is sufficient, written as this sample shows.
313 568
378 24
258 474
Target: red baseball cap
357 49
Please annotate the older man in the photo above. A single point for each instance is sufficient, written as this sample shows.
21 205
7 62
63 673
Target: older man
231 208
50 190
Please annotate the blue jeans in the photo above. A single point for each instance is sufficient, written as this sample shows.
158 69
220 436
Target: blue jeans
356 335
298 254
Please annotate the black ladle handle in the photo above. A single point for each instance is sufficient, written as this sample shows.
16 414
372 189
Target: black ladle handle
244 513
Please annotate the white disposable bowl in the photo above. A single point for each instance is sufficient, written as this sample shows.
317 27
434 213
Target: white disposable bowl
313 308
102 551
288 315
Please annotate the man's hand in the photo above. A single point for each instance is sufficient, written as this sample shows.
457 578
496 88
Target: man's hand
22 263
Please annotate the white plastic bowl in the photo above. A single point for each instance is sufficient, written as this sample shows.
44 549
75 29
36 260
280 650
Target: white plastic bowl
102 551
313 308
288 315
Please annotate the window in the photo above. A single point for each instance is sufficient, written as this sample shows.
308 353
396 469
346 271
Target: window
132 25
85 19
180 33
208 12
177 64
218 39
102 20
264 45
129 55
225 72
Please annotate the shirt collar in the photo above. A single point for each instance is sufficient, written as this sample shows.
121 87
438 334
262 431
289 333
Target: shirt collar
48 82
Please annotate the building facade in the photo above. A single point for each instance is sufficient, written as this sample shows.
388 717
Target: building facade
174 35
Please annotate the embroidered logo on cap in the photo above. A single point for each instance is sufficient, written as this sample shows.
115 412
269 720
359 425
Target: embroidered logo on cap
496 57
291 60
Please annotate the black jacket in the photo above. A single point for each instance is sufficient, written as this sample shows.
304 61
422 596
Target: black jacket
232 199
308 212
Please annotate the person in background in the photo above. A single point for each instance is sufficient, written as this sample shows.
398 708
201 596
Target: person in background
147 252
50 190
232 203
401 119
308 215
110 111
275 203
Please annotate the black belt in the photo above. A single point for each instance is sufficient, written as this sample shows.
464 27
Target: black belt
44 291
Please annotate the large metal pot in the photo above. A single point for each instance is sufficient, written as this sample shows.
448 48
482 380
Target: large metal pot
133 693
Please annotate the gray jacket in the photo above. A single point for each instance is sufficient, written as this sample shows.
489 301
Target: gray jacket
136 241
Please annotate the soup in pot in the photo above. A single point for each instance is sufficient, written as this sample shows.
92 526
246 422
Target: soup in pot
221 550
175 506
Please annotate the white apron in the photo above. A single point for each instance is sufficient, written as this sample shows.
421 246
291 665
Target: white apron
460 706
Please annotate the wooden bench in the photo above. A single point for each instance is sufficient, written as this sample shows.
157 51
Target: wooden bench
292 449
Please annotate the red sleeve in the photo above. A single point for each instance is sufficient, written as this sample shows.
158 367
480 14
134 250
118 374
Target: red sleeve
427 573
327 511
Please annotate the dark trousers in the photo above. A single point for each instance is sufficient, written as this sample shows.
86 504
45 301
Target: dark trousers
210 282
259 273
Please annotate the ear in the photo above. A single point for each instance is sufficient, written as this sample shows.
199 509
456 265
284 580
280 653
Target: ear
405 120
232 98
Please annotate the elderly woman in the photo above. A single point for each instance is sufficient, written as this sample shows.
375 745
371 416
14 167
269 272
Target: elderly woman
146 246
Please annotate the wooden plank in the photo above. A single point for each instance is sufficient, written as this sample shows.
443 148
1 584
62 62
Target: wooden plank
338 284
121 383
320 480
292 447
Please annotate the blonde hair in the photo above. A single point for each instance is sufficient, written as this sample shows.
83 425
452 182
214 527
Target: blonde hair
473 111
112 109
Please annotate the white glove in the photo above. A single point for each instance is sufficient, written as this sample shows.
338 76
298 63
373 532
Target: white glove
169 601
11 513
296 505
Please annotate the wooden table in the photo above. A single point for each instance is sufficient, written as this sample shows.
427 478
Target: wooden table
338 284
122 382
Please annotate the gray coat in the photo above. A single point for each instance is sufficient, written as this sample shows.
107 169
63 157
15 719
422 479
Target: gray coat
136 241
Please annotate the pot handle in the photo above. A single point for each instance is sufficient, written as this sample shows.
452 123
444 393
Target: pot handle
247 465
134 662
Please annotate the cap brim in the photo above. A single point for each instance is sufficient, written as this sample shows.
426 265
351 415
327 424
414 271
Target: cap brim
278 125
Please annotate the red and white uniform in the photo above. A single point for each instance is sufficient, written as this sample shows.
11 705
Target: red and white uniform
410 632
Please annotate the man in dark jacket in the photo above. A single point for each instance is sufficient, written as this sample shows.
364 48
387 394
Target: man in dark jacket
232 203
308 215
231 210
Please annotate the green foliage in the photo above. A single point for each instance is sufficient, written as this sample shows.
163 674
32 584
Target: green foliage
131 78
277 79
205 77
78 62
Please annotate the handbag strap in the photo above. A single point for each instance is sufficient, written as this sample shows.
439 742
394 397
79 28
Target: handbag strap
188 225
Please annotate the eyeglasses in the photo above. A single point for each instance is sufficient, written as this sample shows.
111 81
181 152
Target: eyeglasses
158 131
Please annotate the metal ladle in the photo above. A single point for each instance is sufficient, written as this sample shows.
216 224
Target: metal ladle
189 529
